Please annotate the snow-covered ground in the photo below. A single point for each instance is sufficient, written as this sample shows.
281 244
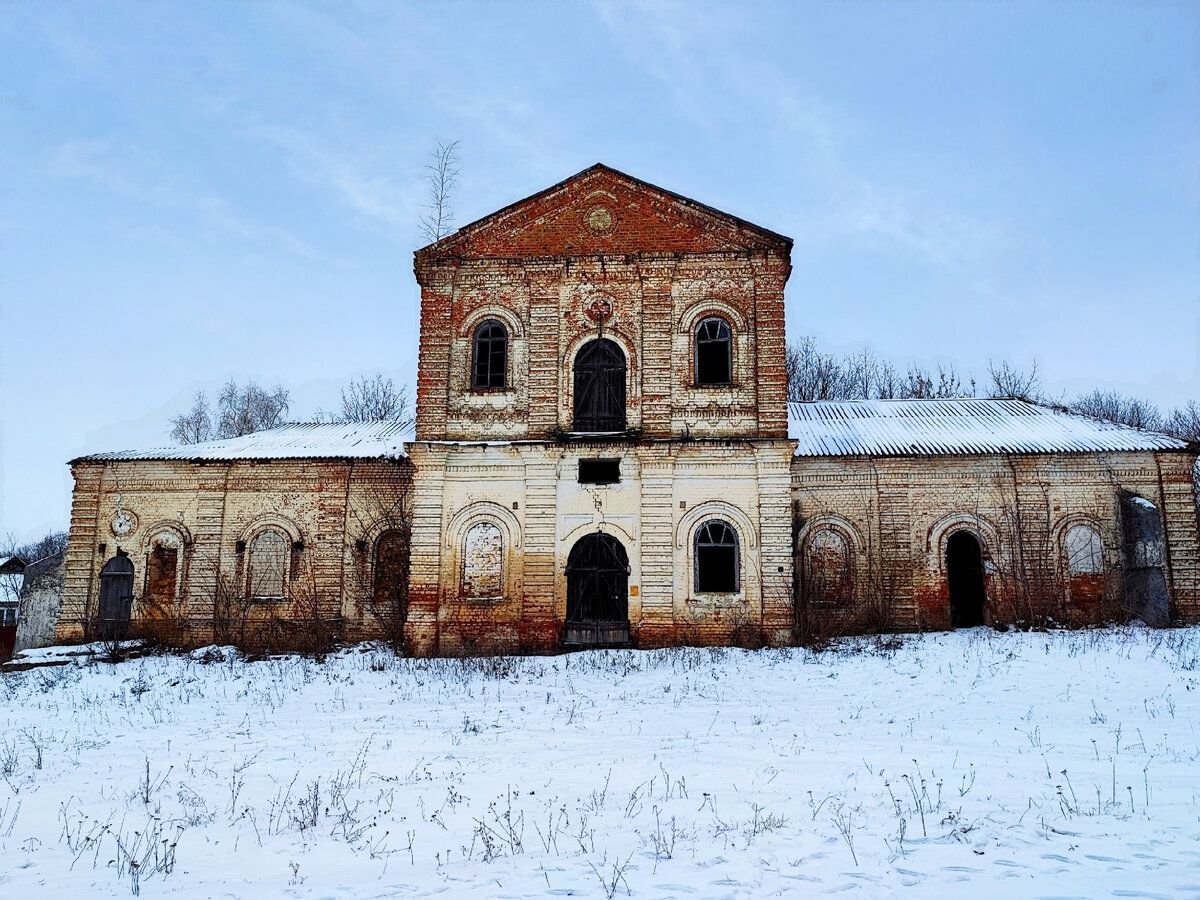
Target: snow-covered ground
967 764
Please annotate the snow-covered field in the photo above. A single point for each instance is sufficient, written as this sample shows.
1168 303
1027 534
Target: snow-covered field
966 764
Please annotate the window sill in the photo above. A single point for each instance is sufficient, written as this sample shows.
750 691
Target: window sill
717 597
483 601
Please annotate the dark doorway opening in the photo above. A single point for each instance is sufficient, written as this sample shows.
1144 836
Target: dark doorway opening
964 572
597 593
160 581
1145 581
390 588
116 597
599 387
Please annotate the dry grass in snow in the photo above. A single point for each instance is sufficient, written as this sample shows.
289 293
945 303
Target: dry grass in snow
1016 765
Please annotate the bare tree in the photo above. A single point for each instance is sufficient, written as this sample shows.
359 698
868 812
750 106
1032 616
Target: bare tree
812 375
250 408
32 551
195 425
241 409
1010 381
373 399
442 177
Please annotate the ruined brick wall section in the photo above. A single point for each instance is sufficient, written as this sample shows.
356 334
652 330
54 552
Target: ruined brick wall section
81 550
771 340
379 501
425 565
1179 503
323 507
433 361
899 512
775 527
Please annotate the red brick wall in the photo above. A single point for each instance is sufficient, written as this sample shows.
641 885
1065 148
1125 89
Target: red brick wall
659 262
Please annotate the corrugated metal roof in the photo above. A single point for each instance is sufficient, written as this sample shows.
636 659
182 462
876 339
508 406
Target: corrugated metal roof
298 440
955 428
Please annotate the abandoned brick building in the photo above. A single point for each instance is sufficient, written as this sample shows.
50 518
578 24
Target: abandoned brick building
604 454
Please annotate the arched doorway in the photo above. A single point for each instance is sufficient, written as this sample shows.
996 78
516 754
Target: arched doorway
964 573
599 387
597 593
116 597
389 594
1144 556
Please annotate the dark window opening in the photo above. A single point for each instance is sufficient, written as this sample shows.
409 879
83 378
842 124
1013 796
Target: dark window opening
599 471
714 353
600 387
964 572
489 361
716 559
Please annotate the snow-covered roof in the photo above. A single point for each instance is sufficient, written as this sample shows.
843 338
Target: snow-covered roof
955 428
297 440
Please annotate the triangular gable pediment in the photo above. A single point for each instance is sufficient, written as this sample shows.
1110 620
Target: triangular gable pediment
602 211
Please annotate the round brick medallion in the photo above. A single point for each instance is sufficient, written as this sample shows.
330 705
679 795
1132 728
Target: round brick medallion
598 309
599 220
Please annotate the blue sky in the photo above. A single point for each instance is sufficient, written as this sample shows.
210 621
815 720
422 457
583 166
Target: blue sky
197 191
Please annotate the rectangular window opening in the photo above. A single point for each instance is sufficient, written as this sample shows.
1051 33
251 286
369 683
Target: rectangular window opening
599 471
712 365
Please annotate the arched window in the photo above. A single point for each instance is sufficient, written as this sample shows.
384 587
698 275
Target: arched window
269 557
714 353
483 561
600 387
716 558
1084 550
489 361
827 567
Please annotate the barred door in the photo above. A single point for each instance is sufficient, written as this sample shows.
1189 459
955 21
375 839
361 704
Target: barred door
597 593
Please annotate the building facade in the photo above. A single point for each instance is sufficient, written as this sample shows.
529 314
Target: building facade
604 455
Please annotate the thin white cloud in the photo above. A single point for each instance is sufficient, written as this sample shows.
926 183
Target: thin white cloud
122 170
373 190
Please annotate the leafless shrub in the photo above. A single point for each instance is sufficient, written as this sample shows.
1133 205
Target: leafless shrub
1121 409
1011 381
612 878
843 820
1184 422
